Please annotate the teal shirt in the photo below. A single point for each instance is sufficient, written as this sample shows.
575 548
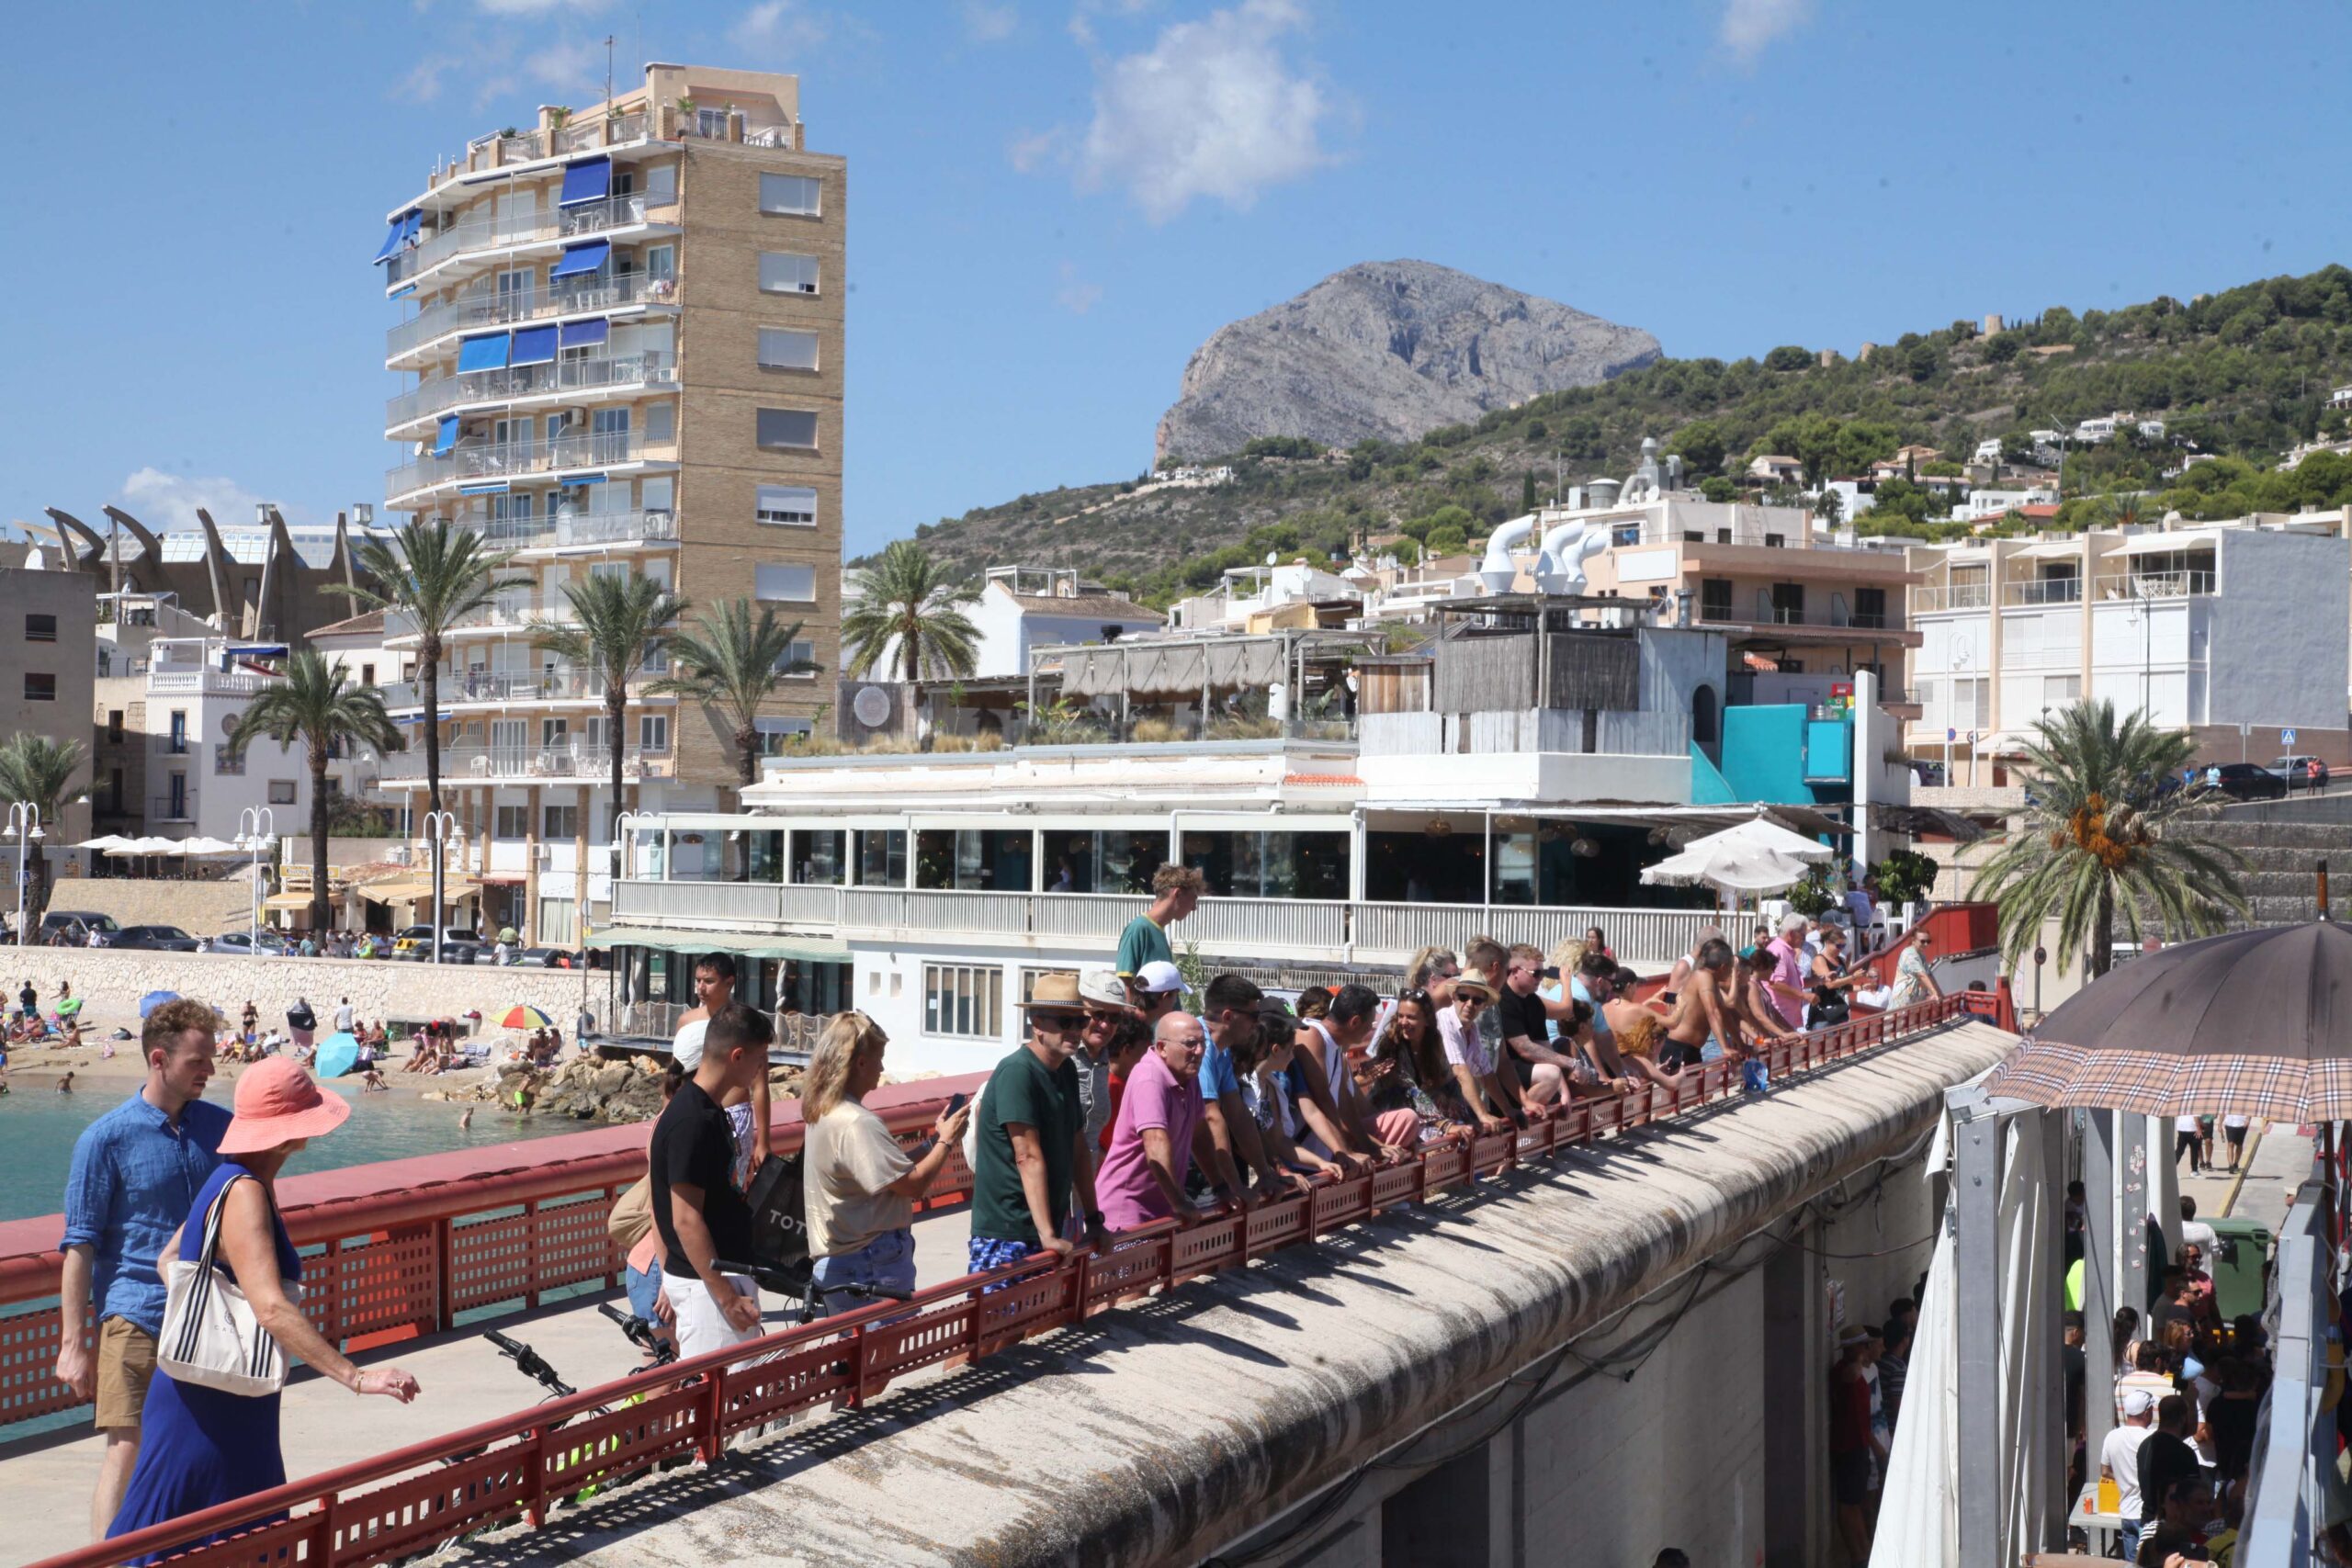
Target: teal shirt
1024 1089
1144 941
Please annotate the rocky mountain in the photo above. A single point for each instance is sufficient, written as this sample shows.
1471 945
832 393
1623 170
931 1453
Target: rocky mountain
1388 350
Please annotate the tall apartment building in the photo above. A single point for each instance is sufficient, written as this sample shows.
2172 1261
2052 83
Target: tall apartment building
624 326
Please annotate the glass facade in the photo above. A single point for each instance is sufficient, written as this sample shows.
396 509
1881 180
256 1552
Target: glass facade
1109 860
974 860
1271 864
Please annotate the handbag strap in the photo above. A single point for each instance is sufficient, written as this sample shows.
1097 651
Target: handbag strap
212 1219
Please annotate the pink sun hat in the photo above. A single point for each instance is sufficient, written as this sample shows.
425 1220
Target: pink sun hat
277 1102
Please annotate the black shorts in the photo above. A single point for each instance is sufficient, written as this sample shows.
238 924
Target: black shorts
1849 1477
1675 1055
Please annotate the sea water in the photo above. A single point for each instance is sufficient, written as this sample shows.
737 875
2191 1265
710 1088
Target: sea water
37 1126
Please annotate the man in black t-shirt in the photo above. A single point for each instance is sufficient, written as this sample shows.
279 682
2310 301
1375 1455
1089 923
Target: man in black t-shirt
1527 1033
2166 1458
701 1216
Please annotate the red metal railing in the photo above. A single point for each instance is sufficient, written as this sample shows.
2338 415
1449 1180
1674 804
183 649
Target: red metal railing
408 1244
411 1501
1956 929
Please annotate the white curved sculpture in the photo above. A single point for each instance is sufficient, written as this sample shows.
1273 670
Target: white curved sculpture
1498 571
1559 568
1644 485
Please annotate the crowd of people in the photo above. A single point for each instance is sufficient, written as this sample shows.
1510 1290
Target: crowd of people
1865 1400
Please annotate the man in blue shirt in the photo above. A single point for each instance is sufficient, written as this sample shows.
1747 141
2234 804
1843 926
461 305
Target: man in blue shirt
136 1172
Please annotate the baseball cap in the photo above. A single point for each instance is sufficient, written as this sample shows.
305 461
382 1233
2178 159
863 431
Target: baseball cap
1159 976
2138 1402
1101 985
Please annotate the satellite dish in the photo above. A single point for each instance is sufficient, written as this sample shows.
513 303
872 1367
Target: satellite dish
1272 557
872 706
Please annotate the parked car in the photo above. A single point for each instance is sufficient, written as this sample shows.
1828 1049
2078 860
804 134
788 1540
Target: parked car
458 944
265 945
2296 771
154 939
2248 780
78 924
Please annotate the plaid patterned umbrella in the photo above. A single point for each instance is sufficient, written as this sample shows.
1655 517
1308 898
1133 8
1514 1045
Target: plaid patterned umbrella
2255 1022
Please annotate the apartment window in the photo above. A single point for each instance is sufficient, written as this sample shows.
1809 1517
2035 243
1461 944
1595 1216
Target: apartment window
789 505
788 429
114 726
512 822
783 273
799 660
176 742
43 628
114 791
778 735
559 821
1788 604
281 792
554 731
781 349
654 733
965 1001
661 423
662 263
559 922
793 584
366 674
1714 599
662 185
1869 607
2061 691
797 195
881 857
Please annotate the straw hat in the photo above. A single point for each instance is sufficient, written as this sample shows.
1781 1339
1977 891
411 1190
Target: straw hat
276 1103
1055 991
1473 980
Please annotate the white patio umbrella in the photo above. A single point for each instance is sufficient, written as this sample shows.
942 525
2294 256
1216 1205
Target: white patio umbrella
146 847
1729 868
209 847
103 841
1758 833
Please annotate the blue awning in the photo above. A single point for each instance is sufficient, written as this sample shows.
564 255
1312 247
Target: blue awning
485 353
420 719
257 650
578 260
533 346
498 487
392 239
447 436
580 334
583 478
589 180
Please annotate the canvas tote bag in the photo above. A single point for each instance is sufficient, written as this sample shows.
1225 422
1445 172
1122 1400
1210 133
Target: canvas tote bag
210 1337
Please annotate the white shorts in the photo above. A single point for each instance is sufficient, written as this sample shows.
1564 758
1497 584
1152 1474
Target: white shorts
701 1327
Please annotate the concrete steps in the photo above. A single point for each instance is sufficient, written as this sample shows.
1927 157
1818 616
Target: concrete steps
2280 858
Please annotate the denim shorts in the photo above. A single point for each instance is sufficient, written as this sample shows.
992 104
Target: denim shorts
888 1260
644 1289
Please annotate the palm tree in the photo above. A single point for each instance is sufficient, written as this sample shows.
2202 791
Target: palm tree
2104 839
2126 511
39 771
433 574
732 663
910 618
316 703
616 621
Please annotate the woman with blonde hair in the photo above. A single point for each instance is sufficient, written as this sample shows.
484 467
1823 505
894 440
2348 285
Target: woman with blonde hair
859 1186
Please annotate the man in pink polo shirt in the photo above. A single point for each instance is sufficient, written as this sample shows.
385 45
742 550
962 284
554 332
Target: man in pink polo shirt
1160 1130
1786 992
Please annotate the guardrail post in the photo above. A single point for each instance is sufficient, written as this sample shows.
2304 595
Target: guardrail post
712 1413
531 1252
445 1270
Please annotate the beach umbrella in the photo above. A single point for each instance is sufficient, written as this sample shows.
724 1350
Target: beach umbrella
103 841
338 1054
524 1016
209 847
1757 833
2245 1024
150 846
1733 868
154 1000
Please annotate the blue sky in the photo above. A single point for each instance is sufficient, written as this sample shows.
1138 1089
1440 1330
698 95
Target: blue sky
1052 204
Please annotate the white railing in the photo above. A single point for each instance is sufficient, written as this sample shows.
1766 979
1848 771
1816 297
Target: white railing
547 685
558 378
498 231
581 762
588 449
2156 585
219 682
489 307
1332 929
570 529
599 130
1950 596
2051 590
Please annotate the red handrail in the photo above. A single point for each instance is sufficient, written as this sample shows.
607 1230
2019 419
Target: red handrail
428 1494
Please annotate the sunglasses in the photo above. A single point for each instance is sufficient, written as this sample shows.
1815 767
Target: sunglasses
1059 1022
1472 1000
1414 996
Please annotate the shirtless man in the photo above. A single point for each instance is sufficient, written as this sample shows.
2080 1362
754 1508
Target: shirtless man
714 988
1702 1009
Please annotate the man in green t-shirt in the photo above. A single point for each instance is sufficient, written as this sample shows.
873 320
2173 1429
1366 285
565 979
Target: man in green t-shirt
1175 890
1031 1149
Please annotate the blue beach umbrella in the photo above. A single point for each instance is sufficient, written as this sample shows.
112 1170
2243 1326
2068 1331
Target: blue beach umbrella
338 1054
154 1000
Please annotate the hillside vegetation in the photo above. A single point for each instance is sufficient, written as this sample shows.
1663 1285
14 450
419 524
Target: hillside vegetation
2243 374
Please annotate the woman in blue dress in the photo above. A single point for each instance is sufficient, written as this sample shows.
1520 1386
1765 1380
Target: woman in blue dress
202 1447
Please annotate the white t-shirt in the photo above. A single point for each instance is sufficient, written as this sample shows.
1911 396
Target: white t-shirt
2184 1124
2238 1122
849 1159
343 1017
2196 1232
687 1047
2119 1457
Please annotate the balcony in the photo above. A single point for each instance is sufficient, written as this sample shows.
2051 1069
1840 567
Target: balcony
578 762
206 682
497 616
577 378
576 530
1938 597
1251 928
527 686
2049 591
486 307
1836 617
2157 585
506 231
171 809
522 459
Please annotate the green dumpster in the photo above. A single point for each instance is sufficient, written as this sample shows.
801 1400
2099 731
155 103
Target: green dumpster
2240 1266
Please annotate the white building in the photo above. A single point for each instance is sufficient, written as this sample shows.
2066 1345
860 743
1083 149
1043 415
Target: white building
2209 628
1982 504
197 689
1021 607
1258 598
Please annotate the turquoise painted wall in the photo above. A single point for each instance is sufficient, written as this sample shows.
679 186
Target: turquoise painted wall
1765 754
1708 785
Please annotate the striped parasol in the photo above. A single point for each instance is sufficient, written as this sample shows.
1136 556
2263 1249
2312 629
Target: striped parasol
524 1016
2246 1024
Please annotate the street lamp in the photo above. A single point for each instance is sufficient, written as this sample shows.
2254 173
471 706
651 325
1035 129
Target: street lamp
441 831
257 827
24 827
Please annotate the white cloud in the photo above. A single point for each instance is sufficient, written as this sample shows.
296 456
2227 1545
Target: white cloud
984 23
1076 295
422 84
1212 109
162 500
779 25
535 8
1749 27
1027 152
573 65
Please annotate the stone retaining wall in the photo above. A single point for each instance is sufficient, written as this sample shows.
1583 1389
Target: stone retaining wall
112 982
